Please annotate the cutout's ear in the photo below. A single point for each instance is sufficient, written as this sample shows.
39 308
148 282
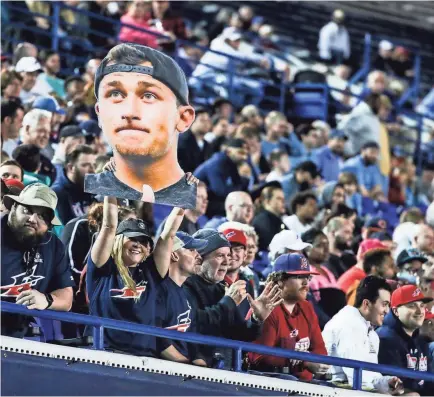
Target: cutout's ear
97 110
186 118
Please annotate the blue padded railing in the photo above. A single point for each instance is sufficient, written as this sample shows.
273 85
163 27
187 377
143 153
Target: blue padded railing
100 324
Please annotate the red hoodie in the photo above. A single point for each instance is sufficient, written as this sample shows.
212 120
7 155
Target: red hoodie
296 331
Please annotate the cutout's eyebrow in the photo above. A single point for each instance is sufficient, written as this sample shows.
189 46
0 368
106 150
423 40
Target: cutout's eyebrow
113 83
141 84
146 84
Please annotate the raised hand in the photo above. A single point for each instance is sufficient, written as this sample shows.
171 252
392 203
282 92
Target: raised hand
266 302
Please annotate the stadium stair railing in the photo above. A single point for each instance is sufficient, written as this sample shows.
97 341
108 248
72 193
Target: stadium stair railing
100 324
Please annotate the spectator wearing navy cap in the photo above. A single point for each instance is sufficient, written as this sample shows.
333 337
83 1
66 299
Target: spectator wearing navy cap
192 145
373 225
329 158
365 167
220 174
293 324
174 311
410 262
69 138
92 133
216 308
400 344
69 185
123 276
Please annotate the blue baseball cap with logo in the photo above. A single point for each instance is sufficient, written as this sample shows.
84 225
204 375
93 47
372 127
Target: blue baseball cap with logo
49 104
296 264
91 128
184 240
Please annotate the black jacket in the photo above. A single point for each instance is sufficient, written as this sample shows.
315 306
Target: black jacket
267 225
217 314
190 155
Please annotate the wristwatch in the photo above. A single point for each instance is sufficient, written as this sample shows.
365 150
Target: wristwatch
50 300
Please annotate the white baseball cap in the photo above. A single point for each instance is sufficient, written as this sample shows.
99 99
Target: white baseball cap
287 239
231 33
28 64
385 45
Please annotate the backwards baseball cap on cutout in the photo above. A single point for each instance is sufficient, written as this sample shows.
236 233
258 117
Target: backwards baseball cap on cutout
163 69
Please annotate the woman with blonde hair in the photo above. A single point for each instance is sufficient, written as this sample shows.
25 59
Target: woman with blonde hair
124 272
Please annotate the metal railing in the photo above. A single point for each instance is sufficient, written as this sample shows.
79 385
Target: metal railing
100 324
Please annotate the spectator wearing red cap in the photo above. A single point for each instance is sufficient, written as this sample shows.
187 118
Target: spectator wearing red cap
350 334
9 186
373 258
238 241
400 343
293 324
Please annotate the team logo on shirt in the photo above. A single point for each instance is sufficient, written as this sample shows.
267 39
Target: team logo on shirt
128 293
301 346
21 283
293 333
184 321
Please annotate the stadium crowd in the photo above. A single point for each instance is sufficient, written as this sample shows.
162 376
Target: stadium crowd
285 247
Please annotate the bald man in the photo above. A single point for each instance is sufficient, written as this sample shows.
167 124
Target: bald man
238 208
423 240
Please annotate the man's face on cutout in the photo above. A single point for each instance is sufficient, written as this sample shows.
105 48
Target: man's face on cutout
139 115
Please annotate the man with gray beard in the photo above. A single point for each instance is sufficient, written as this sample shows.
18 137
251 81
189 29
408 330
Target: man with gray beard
34 272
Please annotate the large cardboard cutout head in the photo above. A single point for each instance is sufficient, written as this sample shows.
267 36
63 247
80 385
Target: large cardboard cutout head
142 107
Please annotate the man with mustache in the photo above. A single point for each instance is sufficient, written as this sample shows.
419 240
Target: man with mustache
142 107
34 268
293 324
216 306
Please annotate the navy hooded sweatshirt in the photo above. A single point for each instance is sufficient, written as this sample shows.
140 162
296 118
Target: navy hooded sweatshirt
399 349
72 200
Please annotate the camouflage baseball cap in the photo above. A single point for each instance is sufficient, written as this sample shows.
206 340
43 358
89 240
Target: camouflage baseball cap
38 195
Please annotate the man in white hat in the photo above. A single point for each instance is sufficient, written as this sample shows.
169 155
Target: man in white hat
34 268
384 57
29 68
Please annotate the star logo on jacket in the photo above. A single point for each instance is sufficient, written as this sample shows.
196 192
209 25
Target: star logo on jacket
128 293
21 283
184 321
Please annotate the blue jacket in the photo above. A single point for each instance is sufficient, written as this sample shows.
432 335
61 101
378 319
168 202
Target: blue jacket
401 350
367 175
72 200
221 176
